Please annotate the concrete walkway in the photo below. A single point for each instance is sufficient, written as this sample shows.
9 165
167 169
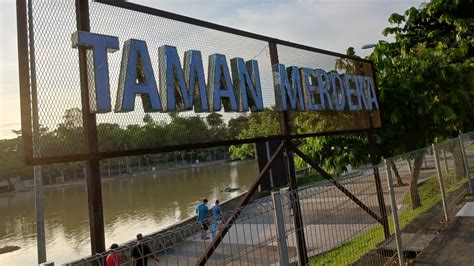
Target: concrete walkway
330 219
455 244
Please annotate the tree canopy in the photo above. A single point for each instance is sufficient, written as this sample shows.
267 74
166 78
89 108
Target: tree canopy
426 77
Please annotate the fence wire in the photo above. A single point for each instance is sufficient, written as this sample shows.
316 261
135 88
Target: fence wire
56 77
442 182
337 231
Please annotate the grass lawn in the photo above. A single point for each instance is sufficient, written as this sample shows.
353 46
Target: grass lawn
358 246
470 147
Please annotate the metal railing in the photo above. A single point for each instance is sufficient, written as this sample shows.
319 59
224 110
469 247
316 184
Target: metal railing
337 231
446 181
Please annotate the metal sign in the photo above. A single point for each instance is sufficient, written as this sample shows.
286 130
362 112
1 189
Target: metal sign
183 71
186 89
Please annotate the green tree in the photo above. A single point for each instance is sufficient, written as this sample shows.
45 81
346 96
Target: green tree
237 125
425 78
334 153
147 119
11 159
214 120
216 126
260 124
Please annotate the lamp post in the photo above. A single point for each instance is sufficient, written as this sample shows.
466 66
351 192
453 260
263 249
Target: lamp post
368 46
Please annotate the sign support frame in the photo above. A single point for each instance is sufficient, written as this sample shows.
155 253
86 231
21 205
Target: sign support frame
93 154
291 174
92 165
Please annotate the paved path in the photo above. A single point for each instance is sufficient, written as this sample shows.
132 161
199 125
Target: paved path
455 244
330 219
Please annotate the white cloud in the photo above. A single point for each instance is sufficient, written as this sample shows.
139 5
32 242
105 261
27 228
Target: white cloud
331 25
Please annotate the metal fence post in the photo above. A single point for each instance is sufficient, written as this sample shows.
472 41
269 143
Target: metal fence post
280 226
409 166
445 158
92 164
39 210
290 170
441 182
25 20
396 224
466 163
378 184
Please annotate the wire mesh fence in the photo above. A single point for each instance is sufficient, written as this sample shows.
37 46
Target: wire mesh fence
330 219
415 190
336 229
131 165
251 240
333 220
455 177
426 207
53 100
467 141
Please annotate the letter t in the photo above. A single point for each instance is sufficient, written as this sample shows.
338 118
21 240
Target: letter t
100 45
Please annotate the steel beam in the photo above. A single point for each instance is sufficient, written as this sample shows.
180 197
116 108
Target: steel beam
378 186
336 184
295 205
94 189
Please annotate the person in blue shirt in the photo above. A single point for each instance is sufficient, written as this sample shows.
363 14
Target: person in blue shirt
202 215
217 215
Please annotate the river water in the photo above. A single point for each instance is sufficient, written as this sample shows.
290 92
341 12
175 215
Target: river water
138 204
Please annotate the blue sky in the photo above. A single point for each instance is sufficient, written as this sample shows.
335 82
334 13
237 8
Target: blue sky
331 25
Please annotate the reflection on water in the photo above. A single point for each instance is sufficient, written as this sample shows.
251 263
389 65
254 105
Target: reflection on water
139 204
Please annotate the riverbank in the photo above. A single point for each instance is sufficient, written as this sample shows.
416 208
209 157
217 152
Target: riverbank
143 204
115 177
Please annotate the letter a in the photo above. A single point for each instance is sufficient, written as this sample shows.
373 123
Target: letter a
185 90
220 84
136 78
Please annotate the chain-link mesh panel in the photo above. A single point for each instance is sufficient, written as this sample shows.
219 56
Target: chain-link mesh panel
452 171
328 120
415 196
59 90
54 63
160 129
468 142
337 231
251 240
332 220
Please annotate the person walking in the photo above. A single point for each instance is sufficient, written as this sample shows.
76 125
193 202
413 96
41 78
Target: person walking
114 258
217 215
141 252
203 215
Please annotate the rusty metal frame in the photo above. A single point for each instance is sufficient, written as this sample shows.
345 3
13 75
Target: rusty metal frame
29 160
214 26
288 147
93 155
25 93
338 185
24 76
94 186
291 174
